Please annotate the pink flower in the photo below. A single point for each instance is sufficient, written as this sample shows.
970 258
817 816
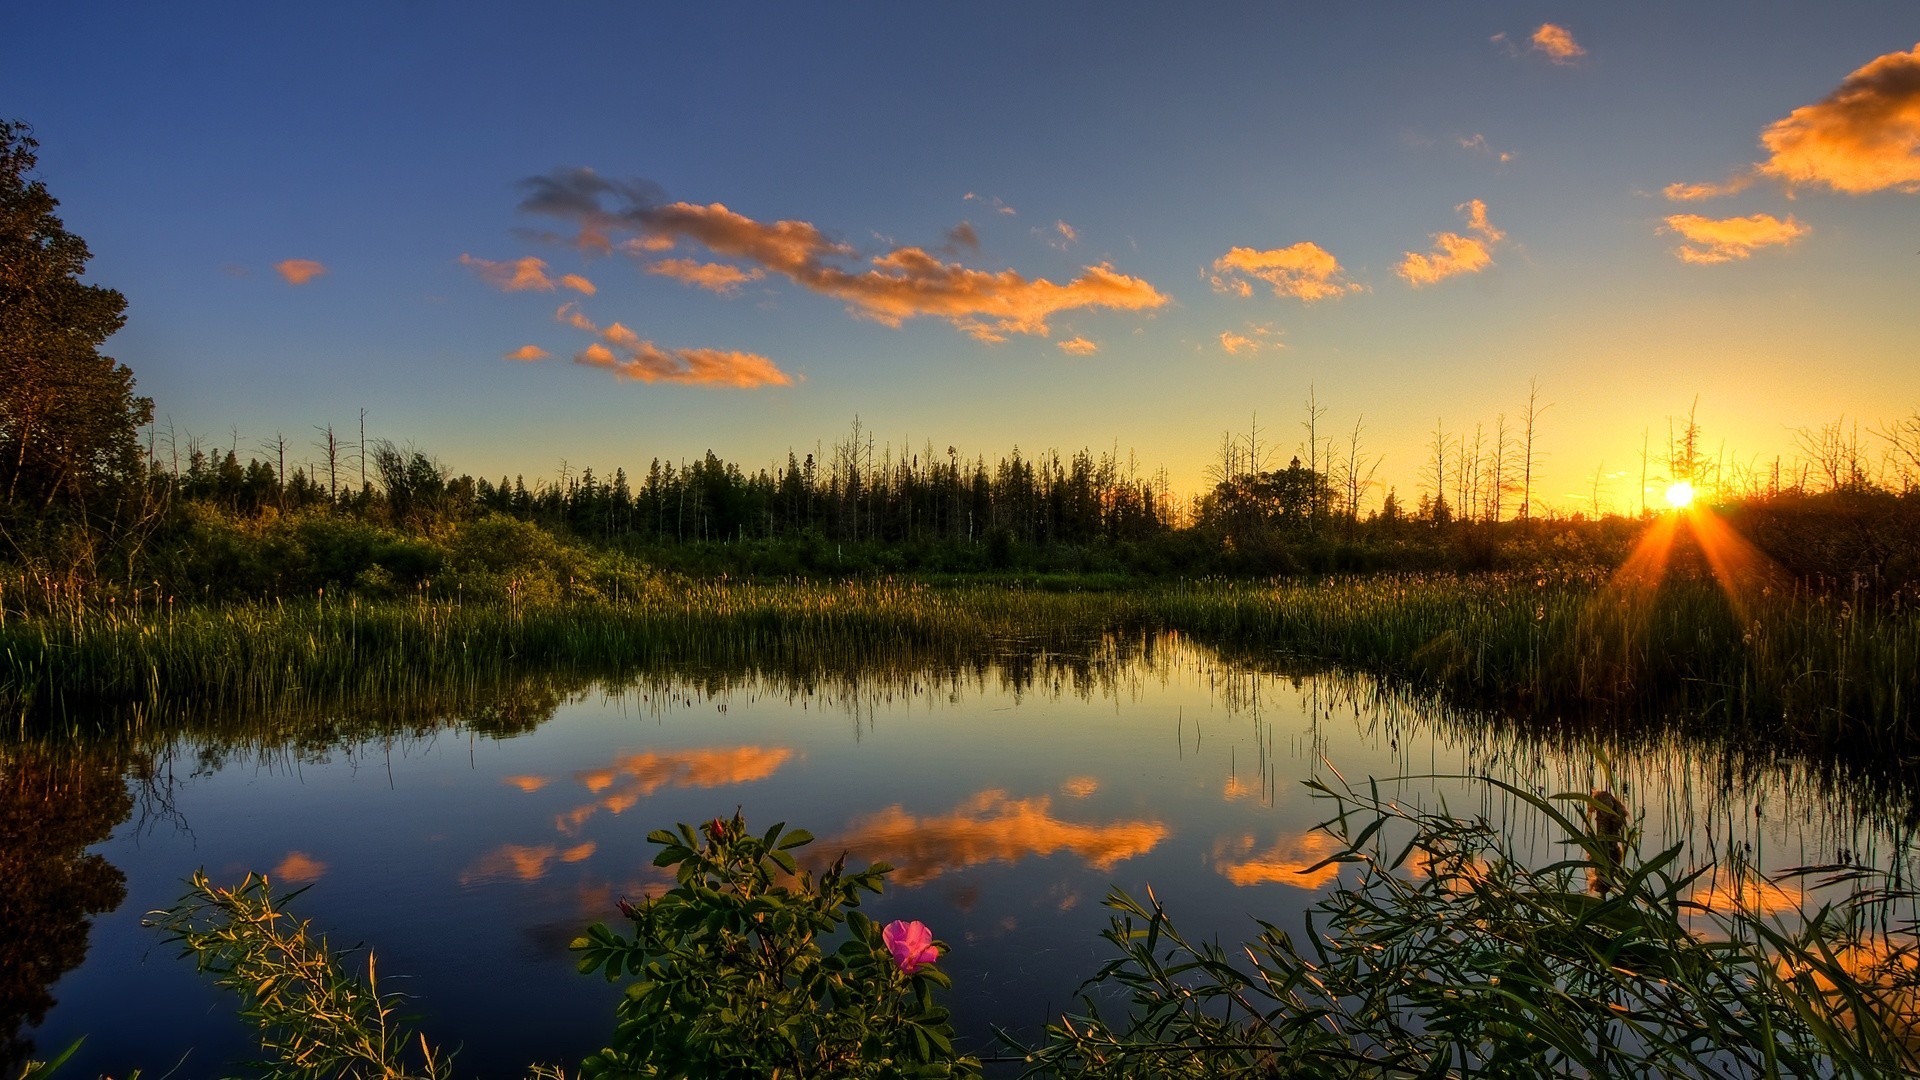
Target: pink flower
911 944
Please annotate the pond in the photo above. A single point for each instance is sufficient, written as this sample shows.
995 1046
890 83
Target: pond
469 842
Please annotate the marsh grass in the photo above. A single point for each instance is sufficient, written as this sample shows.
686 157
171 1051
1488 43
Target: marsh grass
1442 953
1824 672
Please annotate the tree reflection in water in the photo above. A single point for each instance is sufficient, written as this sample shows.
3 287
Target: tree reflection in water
52 808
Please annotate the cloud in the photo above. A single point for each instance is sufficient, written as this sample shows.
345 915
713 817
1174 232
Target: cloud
298 868
1079 346
578 284
628 356
903 283
1479 142
528 784
299 271
1557 42
519 862
961 237
1305 271
1696 192
1258 338
1862 138
527 352
1710 240
1079 787
1454 253
994 201
1061 237
1288 861
990 827
519 275
716 277
636 776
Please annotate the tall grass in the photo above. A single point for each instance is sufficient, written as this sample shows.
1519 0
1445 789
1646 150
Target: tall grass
1813 670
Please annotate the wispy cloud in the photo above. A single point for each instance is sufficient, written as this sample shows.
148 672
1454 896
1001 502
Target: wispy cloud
1863 137
529 352
715 277
517 275
1301 861
578 284
990 827
1478 142
1453 253
1305 271
1557 42
1696 192
1079 346
903 283
522 862
1060 237
629 356
1710 240
299 271
993 201
1259 338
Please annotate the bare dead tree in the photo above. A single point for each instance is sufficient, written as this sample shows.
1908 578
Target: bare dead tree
1530 424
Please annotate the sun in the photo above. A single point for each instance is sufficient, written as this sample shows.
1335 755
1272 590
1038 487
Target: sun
1680 495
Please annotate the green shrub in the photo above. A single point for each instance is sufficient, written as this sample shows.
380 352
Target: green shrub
728 976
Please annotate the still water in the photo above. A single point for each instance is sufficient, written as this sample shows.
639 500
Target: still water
469 845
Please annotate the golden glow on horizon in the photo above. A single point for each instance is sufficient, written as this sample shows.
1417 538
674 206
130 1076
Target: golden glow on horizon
1680 495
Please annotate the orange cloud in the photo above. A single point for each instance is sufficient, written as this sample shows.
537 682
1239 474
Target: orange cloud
1453 253
650 363
528 784
639 775
1258 337
520 275
1863 137
298 868
716 277
1079 787
904 283
578 284
643 361
1756 896
299 271
1079 346
1726 239
517 862
1696 192
1286 862
1557 42
1305 271
527 352
990 827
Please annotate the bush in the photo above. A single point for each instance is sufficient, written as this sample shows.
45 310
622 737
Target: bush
729 977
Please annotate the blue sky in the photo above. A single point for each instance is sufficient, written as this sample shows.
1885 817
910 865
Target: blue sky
196 149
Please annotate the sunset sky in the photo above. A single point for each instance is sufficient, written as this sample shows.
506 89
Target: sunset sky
604 232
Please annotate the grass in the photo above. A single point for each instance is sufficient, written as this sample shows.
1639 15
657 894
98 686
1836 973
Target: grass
1831 674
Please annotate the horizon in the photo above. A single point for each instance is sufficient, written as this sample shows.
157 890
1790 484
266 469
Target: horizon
519 240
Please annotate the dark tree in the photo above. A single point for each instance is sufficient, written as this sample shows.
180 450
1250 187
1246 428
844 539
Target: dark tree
68 415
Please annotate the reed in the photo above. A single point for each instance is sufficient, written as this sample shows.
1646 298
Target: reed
1818 671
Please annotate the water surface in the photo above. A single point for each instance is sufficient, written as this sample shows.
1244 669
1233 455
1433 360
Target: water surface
469 844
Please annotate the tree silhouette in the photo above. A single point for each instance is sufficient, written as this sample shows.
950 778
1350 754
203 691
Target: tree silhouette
68 415
52 808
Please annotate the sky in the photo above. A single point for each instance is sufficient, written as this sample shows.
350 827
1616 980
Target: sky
522 235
